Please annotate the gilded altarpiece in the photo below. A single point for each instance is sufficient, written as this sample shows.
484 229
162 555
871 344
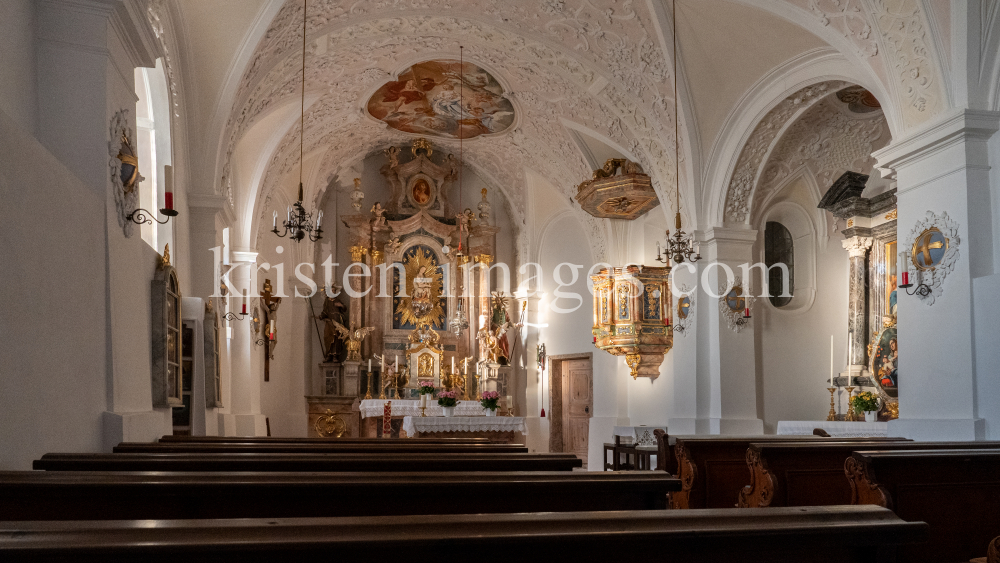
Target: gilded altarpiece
411 246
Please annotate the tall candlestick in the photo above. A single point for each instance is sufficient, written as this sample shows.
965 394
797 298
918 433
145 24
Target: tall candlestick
831 360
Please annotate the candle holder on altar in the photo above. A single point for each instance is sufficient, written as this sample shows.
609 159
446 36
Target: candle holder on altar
850 416
422 409
833 412
368 385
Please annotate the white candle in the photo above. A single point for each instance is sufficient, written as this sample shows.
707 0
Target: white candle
369 365
423 400
831 360
275 219
383 363
397 362
453 364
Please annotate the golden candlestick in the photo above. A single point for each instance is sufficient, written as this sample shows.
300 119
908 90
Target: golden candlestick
422 409
368 385
833 413
850 416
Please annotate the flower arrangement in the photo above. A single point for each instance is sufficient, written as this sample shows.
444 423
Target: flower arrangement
865 402
490 400
426 387
447 398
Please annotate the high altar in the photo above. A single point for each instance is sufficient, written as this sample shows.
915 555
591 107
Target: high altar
429 264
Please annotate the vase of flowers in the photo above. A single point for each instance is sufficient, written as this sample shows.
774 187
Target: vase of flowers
448 400
866 402
489 402
426 390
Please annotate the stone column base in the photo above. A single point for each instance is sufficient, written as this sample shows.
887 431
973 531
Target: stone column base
250 424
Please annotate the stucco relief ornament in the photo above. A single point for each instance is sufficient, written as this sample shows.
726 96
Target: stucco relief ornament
934 253
124 167
733 304
684 315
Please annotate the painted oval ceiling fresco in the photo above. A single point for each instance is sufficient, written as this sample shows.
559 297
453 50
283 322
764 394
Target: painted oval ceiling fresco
443 98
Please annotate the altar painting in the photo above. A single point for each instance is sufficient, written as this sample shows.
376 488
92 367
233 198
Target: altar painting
424 282
443 98
891 278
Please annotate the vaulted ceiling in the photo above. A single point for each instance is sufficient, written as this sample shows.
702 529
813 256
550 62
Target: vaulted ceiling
587 78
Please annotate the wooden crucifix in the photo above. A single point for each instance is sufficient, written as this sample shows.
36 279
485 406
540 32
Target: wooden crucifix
269 306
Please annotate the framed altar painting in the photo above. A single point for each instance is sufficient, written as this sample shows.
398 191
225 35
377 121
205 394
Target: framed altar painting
891 278
885 361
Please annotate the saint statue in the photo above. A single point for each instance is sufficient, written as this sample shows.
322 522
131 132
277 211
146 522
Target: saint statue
333 314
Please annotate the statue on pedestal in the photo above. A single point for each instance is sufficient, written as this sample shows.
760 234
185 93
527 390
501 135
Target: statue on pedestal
334 313
353 338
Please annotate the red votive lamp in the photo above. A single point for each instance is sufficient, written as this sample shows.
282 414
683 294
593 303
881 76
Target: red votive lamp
168 200
906 279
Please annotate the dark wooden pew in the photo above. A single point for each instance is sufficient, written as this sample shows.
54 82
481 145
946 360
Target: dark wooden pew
272 440
713 469
957 492
377 462
401 446
818 535
812 474
35 495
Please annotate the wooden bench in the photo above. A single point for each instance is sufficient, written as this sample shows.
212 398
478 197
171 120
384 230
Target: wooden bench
34 495
271 440
376 462
957 492
819 535
812 474
291 448
713 469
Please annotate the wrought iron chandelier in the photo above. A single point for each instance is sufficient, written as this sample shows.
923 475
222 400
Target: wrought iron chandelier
680 246
460 321
298 224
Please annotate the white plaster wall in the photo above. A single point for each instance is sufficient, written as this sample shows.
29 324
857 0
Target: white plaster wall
53 363
986 321
18 91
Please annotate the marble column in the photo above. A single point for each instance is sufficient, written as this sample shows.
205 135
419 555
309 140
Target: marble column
857 322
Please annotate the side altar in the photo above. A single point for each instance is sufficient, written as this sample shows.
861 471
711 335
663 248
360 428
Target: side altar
420 273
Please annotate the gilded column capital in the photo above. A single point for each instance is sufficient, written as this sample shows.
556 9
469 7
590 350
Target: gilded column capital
358 252
484 259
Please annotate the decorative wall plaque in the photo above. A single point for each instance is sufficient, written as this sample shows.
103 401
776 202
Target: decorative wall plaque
733 303
124 166
933 254
684 316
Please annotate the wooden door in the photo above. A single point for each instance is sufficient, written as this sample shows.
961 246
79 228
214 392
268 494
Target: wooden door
578 406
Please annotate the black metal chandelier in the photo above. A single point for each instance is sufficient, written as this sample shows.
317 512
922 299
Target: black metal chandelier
298 224
680 246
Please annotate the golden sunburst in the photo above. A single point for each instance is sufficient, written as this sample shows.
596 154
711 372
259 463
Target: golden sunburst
415 259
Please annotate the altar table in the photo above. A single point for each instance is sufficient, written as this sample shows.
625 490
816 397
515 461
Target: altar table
373 408
496 428
835 428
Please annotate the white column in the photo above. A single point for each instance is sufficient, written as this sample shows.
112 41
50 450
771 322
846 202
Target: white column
245 375
944 168
531 378
728 376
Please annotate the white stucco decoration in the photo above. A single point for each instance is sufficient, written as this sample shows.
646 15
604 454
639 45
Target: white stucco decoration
125 203
934 277
734 319
683 326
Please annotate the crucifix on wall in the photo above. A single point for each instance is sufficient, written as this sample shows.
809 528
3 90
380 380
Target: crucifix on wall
269 308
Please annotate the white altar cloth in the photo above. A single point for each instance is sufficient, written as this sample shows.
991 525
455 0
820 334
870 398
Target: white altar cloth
835 428
641 435
411 407
414 424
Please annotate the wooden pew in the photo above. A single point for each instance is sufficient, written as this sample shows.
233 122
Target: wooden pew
817 535
34 495
400 446
812 474
713 469
272 440
957 492
376 462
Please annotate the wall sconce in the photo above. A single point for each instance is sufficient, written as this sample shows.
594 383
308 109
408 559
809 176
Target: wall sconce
140 216
922 289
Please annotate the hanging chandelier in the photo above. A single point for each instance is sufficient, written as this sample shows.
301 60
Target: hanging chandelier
680 246
460 321
298 224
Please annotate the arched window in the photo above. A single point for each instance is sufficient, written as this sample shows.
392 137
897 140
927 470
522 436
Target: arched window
779 249
152 120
